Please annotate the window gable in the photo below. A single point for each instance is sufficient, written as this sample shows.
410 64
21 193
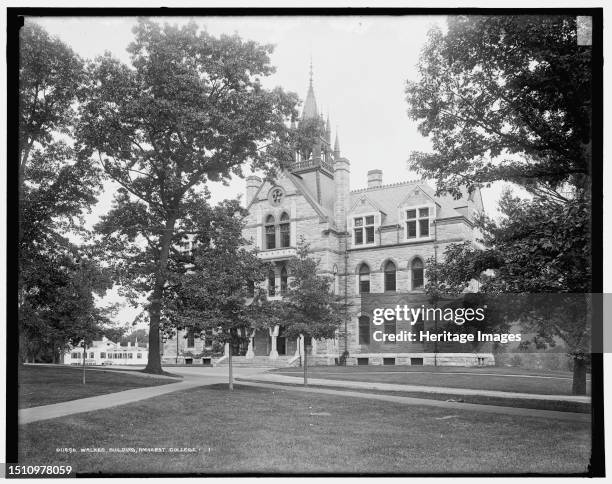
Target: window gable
417 221
363 228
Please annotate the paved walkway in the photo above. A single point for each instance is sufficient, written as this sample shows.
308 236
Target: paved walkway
192 378
99 402
197 376
496 409
395 387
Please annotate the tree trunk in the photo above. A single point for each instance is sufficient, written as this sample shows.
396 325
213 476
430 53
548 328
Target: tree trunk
20 188
579 383
154 359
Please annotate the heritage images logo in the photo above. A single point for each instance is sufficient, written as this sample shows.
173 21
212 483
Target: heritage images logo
459 316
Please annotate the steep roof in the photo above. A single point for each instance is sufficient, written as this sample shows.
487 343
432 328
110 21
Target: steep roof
302 189
390 197
310 105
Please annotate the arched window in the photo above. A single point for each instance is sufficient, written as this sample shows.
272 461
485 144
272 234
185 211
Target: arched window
271 283
270 233
283 280
285 231
390 276
364 279
364 330
417 273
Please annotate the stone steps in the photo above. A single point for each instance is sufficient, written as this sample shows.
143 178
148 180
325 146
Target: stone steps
258 362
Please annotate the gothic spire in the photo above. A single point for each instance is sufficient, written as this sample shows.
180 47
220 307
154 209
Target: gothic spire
310 71
310 105
337 145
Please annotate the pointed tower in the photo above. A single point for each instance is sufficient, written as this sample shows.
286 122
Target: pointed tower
315 164
337 145
310 105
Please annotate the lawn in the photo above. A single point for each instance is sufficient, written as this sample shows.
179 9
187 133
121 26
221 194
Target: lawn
44 385
501 379
257 430
555 405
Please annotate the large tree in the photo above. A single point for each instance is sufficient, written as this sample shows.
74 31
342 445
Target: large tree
189 109
508 98
55 186
535 268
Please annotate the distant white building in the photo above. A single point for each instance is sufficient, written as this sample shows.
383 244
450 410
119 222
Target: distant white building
106 352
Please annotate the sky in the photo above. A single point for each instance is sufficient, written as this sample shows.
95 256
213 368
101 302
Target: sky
360 69
360 66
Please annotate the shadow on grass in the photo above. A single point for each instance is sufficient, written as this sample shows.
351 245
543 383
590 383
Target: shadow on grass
262 430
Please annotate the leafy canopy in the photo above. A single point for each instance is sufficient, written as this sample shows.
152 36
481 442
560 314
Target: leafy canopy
310 307
504 98
189 109
57 278
221 292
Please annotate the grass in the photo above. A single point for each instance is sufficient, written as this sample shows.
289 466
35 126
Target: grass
499 379
556 405
44 385
258 430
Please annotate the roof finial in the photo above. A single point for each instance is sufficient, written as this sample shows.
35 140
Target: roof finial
310 70
310 105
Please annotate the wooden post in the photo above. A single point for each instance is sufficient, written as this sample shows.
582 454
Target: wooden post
305 365
231 373
84 358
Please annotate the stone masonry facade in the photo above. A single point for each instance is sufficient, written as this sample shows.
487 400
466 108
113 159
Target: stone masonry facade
373 241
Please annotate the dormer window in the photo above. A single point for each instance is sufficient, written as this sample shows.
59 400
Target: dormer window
363 230
417 222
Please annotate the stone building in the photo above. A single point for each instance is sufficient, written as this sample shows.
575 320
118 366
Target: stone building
372 241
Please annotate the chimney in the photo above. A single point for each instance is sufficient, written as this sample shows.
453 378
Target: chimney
374 178
252 185
129 344
342 176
